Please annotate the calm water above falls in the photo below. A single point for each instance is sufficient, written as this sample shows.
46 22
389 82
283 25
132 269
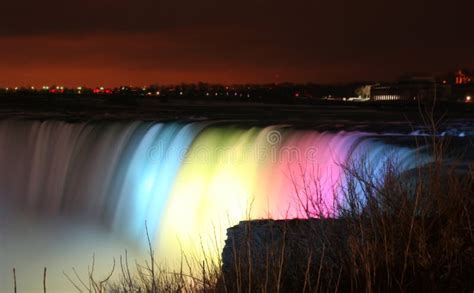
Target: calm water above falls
68 190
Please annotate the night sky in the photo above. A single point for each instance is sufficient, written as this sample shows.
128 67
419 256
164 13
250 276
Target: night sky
139 42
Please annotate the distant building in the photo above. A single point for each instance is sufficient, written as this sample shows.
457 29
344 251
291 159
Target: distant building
463 77
462 85
411 89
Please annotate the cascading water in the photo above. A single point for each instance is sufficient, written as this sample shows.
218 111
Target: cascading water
70 189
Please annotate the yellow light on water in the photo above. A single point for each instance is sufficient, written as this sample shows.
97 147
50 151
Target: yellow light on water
214 190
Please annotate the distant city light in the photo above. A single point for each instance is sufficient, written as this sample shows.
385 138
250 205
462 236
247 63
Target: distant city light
221 91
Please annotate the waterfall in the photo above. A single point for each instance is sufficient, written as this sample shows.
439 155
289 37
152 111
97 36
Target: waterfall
187 181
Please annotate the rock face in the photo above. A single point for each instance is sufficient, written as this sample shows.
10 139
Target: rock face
289 255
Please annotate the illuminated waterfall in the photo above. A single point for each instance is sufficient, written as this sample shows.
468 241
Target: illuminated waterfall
187 181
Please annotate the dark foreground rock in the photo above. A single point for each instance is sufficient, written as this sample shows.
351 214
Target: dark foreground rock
288 256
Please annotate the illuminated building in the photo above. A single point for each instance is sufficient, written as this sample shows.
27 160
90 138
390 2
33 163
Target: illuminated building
411 89
463 86
463 77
